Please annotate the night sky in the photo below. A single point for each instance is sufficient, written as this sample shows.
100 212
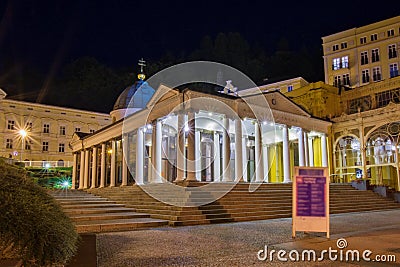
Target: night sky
48 34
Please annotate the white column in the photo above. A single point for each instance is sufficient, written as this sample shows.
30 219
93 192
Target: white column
94 167
244 158
306 157
139 156
124 159
266 162
190 163
103 165
86 173
301 146
286 155
324 151
258 153
158 150
180 148
74 171
82 169
197 152
311 151
226 152
238 150
217 157
112 176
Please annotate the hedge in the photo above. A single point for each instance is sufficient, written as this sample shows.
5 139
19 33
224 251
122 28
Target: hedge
33 226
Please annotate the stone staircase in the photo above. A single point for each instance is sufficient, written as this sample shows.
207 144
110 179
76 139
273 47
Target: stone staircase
95 214
269 201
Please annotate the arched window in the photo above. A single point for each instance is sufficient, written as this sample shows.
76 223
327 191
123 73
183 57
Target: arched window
348 152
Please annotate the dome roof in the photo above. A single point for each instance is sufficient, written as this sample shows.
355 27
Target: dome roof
135 96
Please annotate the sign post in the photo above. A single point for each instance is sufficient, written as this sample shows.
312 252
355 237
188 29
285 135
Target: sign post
310 210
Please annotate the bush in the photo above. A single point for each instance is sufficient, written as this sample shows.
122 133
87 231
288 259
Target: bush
32 224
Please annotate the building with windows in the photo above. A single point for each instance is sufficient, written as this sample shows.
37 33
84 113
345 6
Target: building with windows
40 134
363 55
361 97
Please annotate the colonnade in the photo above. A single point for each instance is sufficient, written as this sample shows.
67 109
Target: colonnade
226 154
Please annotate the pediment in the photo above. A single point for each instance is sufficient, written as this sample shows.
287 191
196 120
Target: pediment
277 101
162 93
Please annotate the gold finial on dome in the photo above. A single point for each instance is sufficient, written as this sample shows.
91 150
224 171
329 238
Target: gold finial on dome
141 75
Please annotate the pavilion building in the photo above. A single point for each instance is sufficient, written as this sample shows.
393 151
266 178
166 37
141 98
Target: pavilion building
171 135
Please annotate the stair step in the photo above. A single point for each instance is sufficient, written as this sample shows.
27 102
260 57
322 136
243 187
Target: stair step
97 210
109 216
98 226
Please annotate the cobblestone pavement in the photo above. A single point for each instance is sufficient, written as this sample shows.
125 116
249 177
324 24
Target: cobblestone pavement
237 244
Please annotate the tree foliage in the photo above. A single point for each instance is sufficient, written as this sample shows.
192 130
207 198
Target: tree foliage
33 226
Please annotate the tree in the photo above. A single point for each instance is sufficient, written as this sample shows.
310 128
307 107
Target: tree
88 83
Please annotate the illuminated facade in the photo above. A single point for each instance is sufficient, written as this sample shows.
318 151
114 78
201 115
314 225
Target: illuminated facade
217 145
363 63
37 133
361 96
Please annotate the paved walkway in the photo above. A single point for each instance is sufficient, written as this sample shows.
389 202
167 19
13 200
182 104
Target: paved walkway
237 244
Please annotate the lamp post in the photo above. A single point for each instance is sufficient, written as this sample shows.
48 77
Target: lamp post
23 135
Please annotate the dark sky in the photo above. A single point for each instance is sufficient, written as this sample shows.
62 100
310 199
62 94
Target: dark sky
49 33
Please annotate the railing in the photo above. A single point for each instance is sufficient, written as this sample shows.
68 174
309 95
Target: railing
47 164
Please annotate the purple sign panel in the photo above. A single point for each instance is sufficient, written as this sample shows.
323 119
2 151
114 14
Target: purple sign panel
311 196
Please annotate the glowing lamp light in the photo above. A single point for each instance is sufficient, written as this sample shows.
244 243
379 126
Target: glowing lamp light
109 151
187 128
22 133
47 165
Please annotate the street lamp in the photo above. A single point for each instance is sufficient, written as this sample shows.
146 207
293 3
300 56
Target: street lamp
23 133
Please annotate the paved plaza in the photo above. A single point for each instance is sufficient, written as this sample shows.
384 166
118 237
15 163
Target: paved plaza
237 244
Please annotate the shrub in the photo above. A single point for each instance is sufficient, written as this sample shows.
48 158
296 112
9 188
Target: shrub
32 223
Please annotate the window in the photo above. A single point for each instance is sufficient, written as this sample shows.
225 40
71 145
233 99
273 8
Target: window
390 32
27 145
45 146
343 45
375 55
337 81
383 98
365 76
61 148
346 79
290 88
77 129
392 51
62 130
360 104
11 125
336 64
46 128
364 58
374 37
363 40
9 143
376 74
335 47
92 130
29 126
345 62
394 70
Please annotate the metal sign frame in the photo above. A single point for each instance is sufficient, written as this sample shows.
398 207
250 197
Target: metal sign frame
310 198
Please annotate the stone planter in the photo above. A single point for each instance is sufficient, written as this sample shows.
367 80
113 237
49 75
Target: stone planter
381 190
360 184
